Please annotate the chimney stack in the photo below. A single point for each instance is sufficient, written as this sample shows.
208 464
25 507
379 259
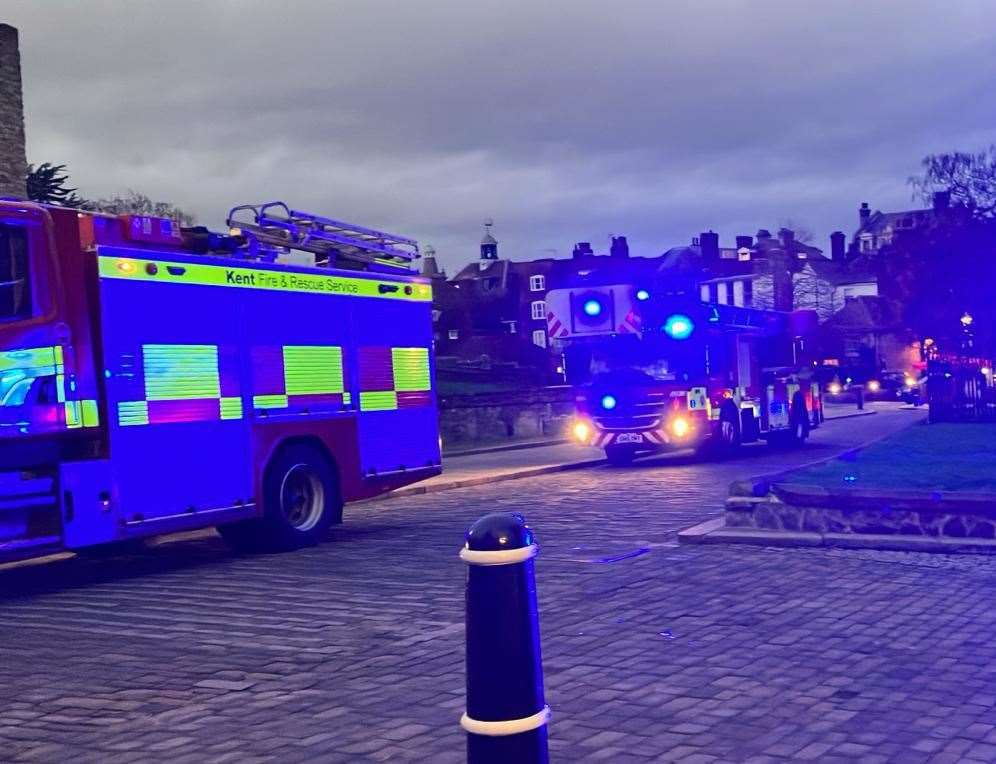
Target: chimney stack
619 247
837 240
581 249
863 214
709 245
13 161
745 242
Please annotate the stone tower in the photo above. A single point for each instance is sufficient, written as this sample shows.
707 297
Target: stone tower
13 160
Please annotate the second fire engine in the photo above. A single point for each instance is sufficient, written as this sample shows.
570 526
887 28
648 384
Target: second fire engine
655 368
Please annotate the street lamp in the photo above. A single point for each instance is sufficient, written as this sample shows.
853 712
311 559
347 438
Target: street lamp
966 319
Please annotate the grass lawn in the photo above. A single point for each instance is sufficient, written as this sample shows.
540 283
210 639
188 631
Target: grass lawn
940 457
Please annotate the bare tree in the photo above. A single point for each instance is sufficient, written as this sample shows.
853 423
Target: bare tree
139 204
969 178
803 233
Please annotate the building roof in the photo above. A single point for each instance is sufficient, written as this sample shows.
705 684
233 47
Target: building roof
878 222
868 313
839 274
492 269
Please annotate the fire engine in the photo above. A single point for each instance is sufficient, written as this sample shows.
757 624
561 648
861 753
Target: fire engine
156 379
655 369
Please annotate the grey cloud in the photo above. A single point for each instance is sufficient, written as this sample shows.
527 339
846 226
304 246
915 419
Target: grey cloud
563 120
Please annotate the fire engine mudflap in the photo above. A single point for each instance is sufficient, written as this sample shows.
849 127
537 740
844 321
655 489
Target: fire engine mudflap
154 379
656 369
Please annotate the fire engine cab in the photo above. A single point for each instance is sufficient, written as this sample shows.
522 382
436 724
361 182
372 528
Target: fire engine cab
156 379
655 368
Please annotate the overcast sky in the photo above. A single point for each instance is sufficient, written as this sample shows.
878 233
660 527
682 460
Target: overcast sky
563 121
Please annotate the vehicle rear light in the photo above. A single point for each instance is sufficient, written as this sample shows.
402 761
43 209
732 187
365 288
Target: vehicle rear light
125 266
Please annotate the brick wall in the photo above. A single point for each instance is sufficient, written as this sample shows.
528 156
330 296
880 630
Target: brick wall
12 152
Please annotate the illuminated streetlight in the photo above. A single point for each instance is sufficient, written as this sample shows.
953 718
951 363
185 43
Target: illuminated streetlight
966 319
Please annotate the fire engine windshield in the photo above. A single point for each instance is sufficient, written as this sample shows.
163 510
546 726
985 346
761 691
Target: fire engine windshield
15 286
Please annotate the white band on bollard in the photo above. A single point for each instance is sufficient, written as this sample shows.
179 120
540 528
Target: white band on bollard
511 727
498 556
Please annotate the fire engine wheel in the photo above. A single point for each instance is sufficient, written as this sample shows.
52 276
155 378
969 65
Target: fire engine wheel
726 438
798 430
301 500
729 431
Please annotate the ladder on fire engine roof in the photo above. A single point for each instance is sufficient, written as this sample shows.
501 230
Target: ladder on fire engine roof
274 224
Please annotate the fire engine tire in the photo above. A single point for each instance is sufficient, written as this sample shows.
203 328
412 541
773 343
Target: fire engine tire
620 456
301 501
750 427
800 422
797 433
728 435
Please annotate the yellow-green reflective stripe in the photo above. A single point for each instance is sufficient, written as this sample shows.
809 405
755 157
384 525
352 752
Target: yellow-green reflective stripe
379 400
411 369
73 417
181 372
269 401
231 408
257 278
133 412
91 416
347 398
43 360
311 369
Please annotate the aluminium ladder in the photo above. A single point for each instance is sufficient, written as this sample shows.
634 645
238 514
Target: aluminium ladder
275 225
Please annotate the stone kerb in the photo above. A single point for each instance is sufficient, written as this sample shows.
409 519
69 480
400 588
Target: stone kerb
780 507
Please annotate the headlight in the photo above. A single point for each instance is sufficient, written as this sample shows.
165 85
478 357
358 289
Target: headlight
680 427
833 388
608 402
581 431
874 386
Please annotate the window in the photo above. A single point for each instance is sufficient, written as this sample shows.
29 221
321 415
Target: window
704 292
15 288
453 334
721 295
537 283
539 311
539 338
513 327
713 293
748 292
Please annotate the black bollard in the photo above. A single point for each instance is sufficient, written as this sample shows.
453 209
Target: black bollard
506 711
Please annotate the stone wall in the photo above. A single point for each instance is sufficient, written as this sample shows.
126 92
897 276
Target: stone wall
811 509
497 416
13 162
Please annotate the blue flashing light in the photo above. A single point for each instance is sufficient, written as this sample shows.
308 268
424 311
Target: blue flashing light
592 307
679 327
608 402
642 295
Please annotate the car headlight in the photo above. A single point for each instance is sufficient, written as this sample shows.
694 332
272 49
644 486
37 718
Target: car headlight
874 386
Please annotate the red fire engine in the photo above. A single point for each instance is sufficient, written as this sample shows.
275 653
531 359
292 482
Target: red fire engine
156 379
656 369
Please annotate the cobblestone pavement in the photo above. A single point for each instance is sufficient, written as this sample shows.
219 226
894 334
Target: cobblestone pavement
653 652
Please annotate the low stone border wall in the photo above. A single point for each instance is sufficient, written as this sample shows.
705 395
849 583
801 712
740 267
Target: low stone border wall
812 509
491 417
